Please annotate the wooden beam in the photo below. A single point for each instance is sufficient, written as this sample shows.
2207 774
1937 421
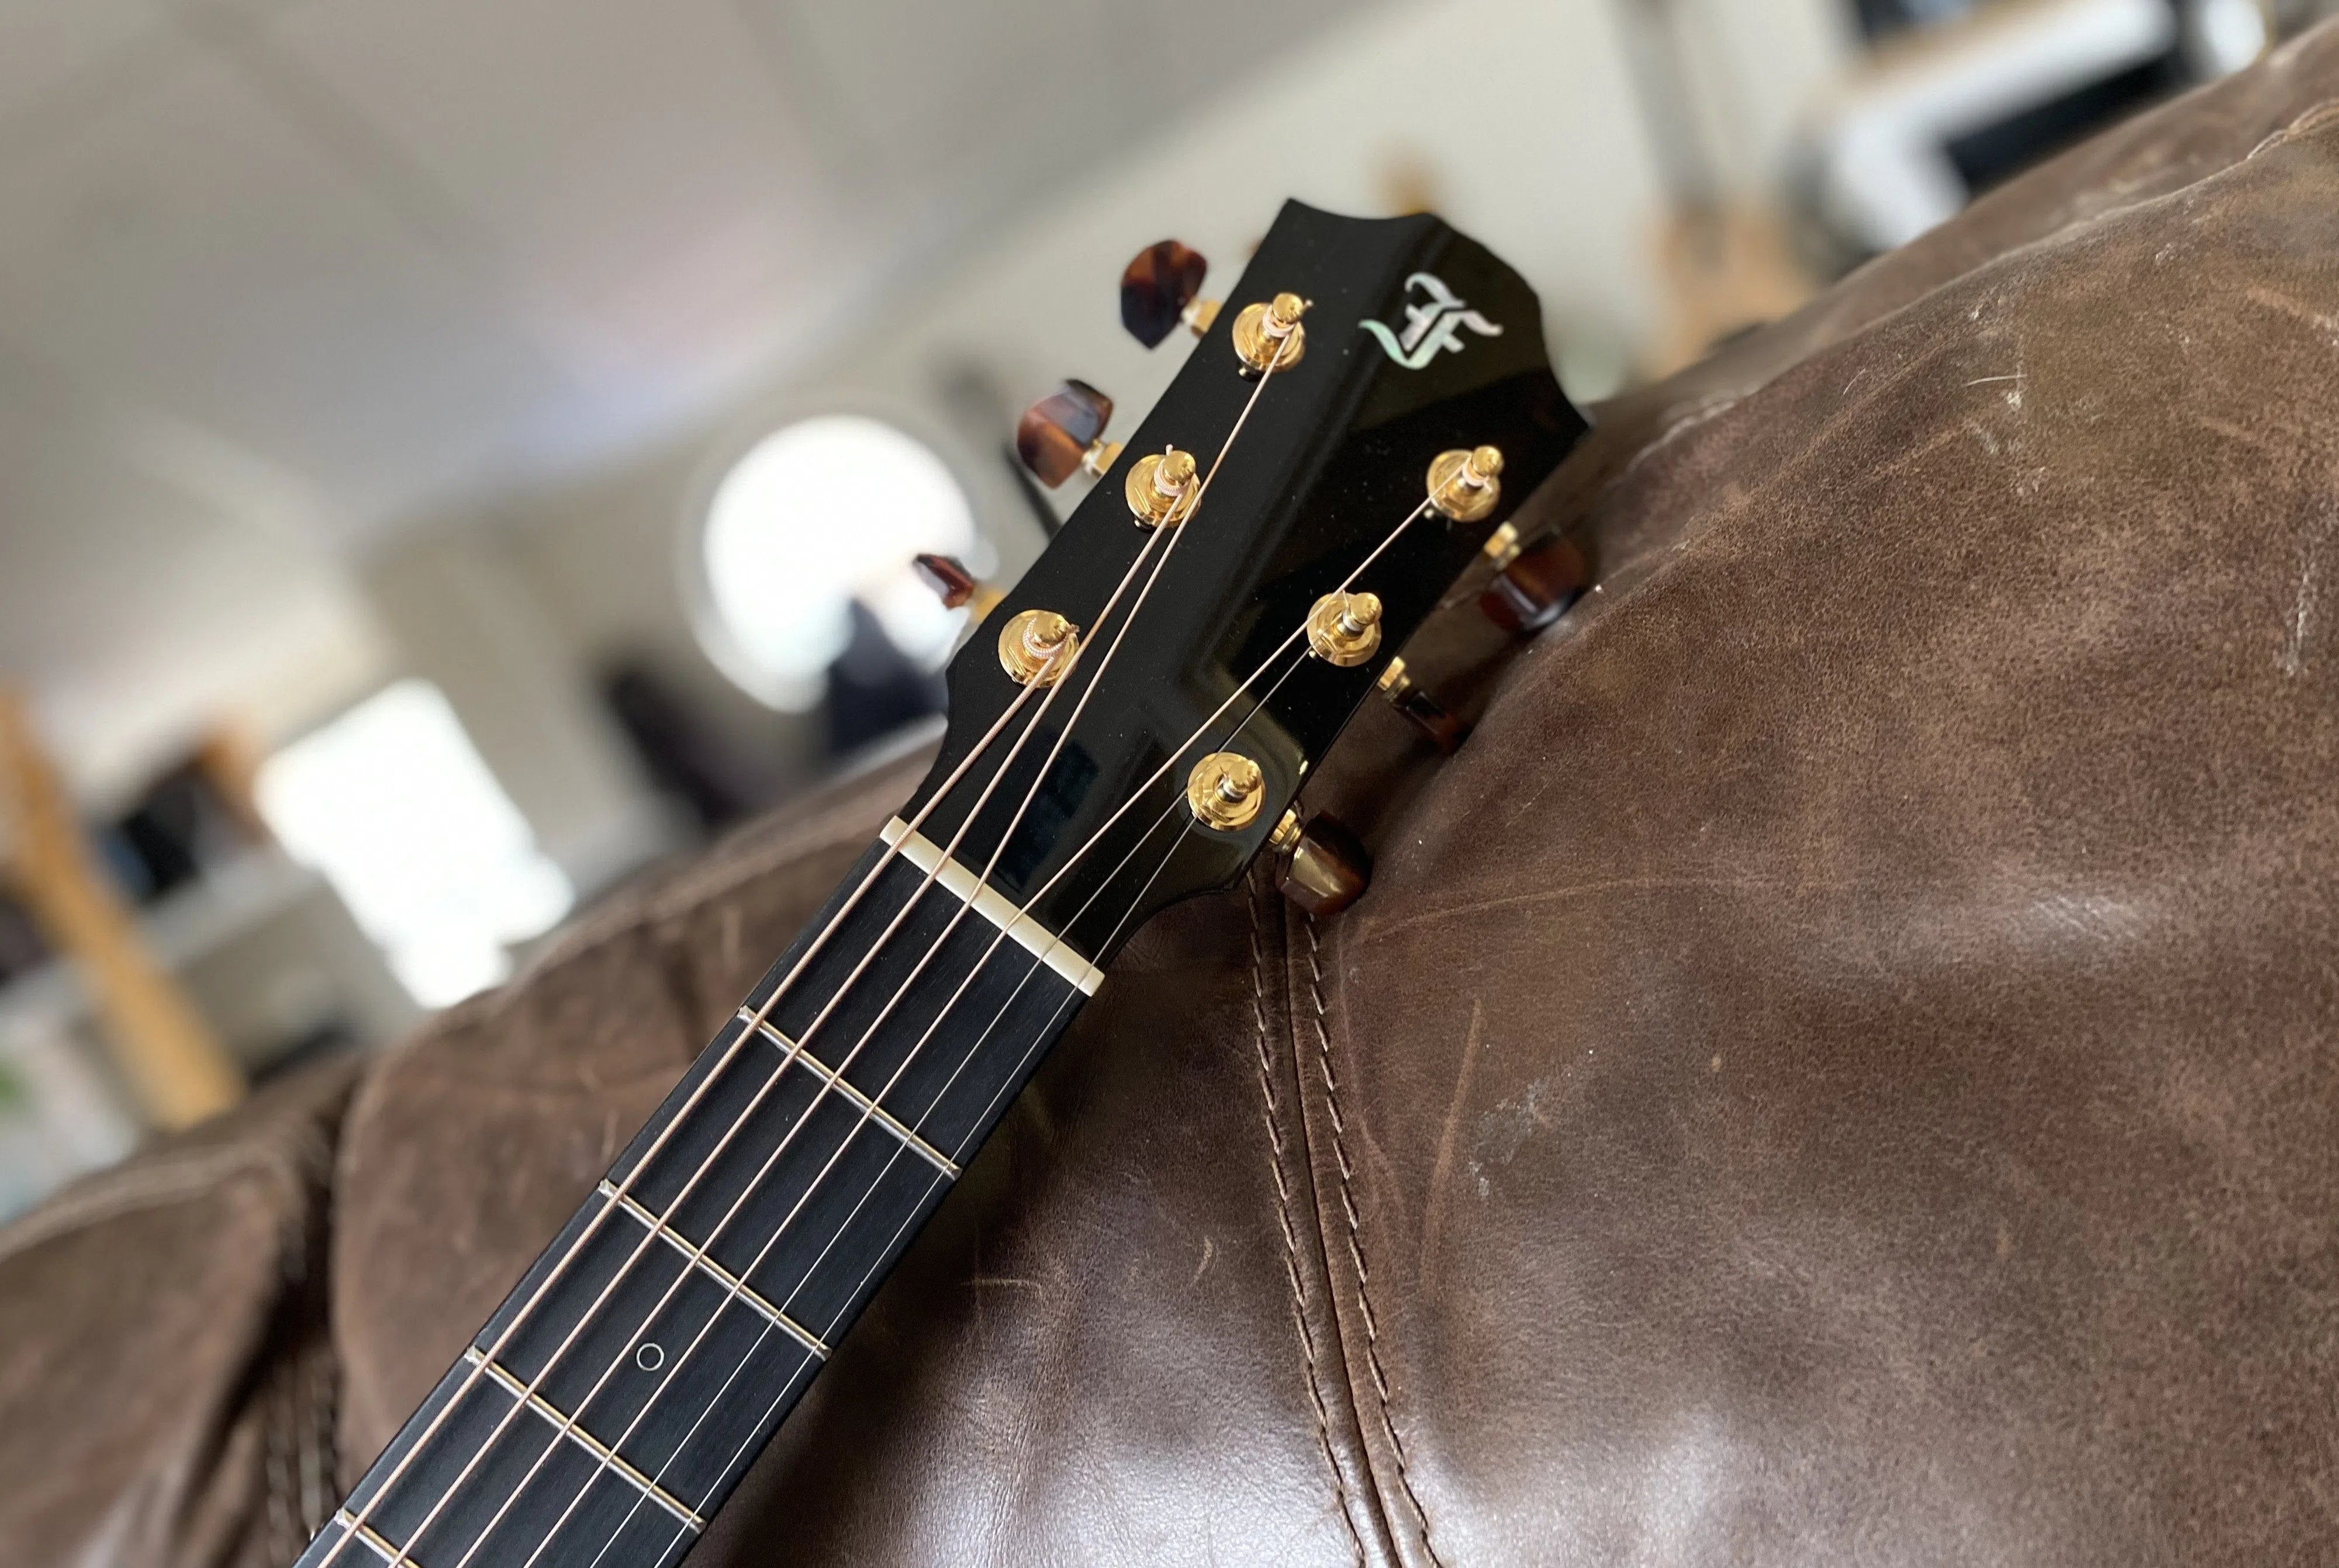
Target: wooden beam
173 1063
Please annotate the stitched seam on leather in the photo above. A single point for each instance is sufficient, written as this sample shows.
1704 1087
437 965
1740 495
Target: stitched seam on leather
318 1476
1278 1154
282 1535
1355 1243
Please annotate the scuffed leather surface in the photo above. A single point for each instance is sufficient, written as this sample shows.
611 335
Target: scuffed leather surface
166 1379
1839 1070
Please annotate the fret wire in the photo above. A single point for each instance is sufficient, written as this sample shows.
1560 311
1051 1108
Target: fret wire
705 1165
972 891
565 1426
1054 690
1009 925
1094 837
354 1528
870 1107
700 1258
431 1428
1045 1032
773 1409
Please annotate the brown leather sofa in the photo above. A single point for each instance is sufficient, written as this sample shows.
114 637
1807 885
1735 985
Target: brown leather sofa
1839 1070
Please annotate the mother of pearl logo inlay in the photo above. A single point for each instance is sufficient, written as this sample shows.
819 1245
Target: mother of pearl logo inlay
1431 327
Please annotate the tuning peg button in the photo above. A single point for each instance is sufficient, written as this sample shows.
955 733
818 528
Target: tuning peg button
1536 585
1161 291
1328 868
1424 712
1063 433
948 577
953 583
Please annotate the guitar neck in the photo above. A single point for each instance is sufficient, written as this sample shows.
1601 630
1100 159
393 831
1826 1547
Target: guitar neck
1373 397
612 1403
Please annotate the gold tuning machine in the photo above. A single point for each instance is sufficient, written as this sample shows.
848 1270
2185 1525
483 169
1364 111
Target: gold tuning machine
1063 434
1036 647
1161 291
1285 838
1502 546
1225 791
1161 488
1465 486
1270 333
1345 629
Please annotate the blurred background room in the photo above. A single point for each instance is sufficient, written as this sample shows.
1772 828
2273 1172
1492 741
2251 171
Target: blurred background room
455 454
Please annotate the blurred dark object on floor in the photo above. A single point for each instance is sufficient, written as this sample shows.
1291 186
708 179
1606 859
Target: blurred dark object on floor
1957 98
1997 152
195 816
1881 18
690 758
22 949
873 688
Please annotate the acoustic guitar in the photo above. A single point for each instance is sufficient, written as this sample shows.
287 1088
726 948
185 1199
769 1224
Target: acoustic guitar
1129 726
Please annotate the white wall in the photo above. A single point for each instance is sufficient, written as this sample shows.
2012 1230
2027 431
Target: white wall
1519 112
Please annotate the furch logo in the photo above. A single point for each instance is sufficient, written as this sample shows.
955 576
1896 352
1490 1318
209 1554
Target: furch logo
1431 327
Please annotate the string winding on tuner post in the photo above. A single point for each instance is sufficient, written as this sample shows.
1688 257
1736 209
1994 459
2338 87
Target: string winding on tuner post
1160 490
1465 485
1036 646
1225 791
1270 334
1345 629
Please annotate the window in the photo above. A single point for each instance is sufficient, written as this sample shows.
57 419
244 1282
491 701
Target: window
815 516
393 803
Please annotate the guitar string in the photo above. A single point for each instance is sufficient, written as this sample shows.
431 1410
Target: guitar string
753 1027
650 1236
737 1453
359 1516
756 1347
991 1107
731 1293
901 991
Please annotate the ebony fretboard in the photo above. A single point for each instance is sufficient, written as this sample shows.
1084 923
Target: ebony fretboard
699 1288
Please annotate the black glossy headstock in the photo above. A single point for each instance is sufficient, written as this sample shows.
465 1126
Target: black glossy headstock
1418 341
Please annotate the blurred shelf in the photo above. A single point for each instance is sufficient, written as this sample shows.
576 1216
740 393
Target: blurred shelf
182 928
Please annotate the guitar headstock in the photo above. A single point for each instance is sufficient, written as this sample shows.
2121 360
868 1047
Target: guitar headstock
1130 722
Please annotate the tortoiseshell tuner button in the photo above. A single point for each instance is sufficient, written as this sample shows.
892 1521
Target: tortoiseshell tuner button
1540 582
1329 868
1161 291
948 577
1063 433
1424 712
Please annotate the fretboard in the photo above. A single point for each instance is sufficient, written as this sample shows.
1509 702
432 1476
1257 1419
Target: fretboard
617 1396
